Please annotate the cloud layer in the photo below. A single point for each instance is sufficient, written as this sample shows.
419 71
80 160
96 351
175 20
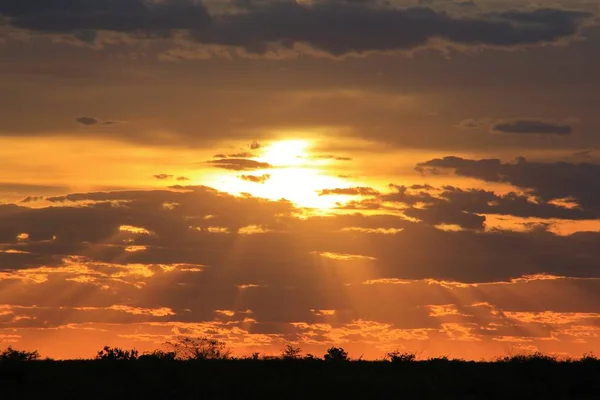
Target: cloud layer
532 126
337 28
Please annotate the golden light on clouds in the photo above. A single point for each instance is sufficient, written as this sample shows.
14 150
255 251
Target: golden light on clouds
296 174
418 205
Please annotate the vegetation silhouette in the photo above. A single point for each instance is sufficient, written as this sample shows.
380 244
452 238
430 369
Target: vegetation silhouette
204 368
336 354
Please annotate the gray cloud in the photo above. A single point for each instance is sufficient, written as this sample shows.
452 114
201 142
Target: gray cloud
548 181
531 126
31 199
91 121
87 121
163 176
335 27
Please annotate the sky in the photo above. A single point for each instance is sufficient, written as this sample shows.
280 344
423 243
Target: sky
421 176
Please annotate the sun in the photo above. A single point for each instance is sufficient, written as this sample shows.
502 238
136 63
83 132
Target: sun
286 153
296 175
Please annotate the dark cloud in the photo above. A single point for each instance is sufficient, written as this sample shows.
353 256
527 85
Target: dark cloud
242 154
547 181
532 126
163 176
384 29
254 145
31 199
87 121
255 178
238 164
335 27
354 191
182 178
465 208
332 157
158 18
91 121
447 214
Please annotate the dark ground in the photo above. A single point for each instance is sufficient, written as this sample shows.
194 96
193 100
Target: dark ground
301 379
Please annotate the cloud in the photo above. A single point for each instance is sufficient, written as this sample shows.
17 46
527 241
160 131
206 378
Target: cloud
239 164
91 121
256 179
31 199
531 126
354 191
87 121
121 16
163 176
332 157
547 181
79 246
337 28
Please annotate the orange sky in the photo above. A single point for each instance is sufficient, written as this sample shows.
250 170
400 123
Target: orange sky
420 176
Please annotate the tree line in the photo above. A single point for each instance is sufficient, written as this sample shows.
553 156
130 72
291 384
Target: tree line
201 348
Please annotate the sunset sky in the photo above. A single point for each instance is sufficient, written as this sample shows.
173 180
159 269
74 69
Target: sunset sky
417 175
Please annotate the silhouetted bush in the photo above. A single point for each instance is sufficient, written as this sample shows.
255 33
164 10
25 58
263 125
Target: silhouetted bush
11 355
336 354
158 355
397 357
169 376
311 357
529 358
116 354
202 348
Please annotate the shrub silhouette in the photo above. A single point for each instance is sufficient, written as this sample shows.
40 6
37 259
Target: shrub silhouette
12 355
336 354
291 353
159 355
536 357
201 348
397 357
116 354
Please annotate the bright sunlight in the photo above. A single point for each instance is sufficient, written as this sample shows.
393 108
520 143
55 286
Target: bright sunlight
296 175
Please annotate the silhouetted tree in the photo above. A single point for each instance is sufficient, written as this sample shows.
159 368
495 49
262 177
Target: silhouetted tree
9 354
291 353
188 348
336 354
116 354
